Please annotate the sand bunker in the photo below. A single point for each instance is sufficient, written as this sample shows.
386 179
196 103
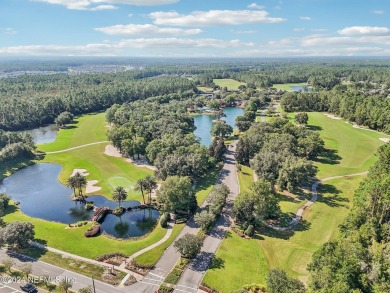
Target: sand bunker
81 171
90 188
331 116
112 151
384 139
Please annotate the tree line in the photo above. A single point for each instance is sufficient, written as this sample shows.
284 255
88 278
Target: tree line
14 145
372 111
359 259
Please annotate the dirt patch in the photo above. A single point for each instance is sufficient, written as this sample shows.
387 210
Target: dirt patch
112 151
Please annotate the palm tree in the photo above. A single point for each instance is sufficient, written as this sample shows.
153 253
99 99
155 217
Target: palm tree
151 184
81 182
71 183
141 186
119 194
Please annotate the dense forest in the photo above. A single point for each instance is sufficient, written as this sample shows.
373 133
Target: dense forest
372 111
359 260
15 145
160 129
31 101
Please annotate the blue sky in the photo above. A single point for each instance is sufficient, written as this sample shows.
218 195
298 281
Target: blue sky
195 28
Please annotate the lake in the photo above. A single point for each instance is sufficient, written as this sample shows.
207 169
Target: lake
42 196
44 134
204 123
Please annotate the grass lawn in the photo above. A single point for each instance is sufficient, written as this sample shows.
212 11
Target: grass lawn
109 171
287 86
245 178
85 129
231 84
352 149
205 89
293 251
237 262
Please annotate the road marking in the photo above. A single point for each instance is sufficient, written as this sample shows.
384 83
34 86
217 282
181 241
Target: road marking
181 290
156 275
157 285
187 287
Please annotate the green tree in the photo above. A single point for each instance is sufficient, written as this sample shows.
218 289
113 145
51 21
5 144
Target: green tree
26 268
119 194
176 194
71 182
17 234
150 185
279 282
188 246
88 289
221 129
141 185
205 219
80 183
301 118
8 263
63 119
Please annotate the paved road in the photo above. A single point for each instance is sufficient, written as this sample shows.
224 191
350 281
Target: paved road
153 280
40 268
193 275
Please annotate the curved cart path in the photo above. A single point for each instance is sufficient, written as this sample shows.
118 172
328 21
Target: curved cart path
75 148
294 222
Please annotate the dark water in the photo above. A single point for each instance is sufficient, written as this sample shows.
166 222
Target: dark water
130 224
42 196
44 134
204 123
300 88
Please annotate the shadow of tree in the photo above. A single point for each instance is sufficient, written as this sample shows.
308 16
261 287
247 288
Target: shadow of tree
285 235
328 156
217 263
314 127
331 196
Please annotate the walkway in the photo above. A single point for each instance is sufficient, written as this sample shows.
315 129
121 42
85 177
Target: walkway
193 274
75 148
295 221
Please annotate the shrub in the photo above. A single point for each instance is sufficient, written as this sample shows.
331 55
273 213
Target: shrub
250 231
167 216
163 222
110 255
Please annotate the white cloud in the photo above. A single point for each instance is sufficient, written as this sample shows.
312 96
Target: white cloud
298 29
146 29
255 6
8 31
104 4
104 7
122 47
364 30
242 32
130 15
213 17
305 18
318 40
377 12
318 30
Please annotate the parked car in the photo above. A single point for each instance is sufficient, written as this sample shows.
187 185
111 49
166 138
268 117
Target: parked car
30 288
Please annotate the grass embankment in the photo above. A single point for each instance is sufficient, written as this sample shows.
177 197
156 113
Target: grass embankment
287 86
231 84
293 251
109 171
205 89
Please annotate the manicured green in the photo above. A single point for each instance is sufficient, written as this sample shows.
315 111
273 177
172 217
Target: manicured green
231 84
287 86
85 129
355 146
109 171
205 89
237 262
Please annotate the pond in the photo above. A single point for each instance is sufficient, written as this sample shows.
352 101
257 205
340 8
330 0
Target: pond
300 88
44 134
204 123
42 196
131 224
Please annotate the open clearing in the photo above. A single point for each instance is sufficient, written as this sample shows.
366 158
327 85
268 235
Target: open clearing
287 86
350 151
231 84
